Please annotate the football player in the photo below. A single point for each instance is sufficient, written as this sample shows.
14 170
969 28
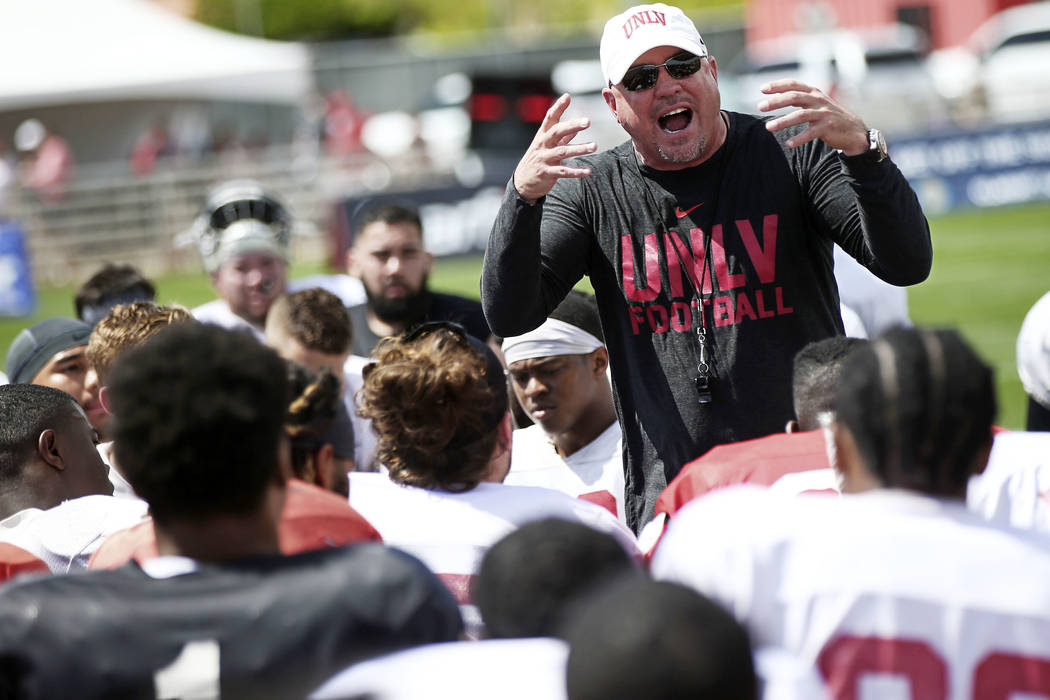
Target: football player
559 375
198 412
895 589
438 402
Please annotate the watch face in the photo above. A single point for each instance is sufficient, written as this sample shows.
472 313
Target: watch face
877 143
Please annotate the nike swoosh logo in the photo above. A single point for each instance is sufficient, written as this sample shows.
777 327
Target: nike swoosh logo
679 213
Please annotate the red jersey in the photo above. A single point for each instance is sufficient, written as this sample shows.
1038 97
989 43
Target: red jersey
761 461
15 560
312 518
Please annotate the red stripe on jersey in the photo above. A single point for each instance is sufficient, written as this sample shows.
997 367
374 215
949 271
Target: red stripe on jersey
15 560
761 461
602 498
460 585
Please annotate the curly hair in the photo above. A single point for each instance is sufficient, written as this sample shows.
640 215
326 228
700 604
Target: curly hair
432 402
127 326
316 318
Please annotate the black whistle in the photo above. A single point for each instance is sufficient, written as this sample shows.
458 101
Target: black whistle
703 390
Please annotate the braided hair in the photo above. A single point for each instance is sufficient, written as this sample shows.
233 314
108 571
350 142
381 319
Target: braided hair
312 410
920 405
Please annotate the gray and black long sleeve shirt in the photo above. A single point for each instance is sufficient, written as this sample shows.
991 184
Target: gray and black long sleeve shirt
744 238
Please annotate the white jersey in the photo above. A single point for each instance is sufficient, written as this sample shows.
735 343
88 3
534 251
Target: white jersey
509 669
364 438
67 535
121 487
594 472
450 532
218 312
879 304
350 290
852 323
889 594
1015 486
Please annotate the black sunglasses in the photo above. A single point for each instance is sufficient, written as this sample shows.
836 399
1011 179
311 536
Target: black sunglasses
679 66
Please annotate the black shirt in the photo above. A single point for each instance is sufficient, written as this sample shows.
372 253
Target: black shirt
436 307
272 627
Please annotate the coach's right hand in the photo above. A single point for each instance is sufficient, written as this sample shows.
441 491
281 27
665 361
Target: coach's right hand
541 166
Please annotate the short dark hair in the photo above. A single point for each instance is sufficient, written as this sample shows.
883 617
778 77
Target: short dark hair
581 310
198 420
388 212
26 410
111 285
815 379
920 405
435 401
529 579
638 638
316 318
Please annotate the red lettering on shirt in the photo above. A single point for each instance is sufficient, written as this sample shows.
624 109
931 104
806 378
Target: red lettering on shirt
763 257
693 257
681 316
657 316
726 281
652 269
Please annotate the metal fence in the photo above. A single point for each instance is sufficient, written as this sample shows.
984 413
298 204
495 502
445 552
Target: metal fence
143 220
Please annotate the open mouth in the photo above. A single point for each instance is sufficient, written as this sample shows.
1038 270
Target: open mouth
676 120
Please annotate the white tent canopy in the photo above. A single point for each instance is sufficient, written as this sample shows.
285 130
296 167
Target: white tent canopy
74 51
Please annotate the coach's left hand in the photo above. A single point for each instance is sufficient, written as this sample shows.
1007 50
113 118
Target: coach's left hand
828 120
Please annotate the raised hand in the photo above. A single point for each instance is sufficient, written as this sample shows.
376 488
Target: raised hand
828 120
541 166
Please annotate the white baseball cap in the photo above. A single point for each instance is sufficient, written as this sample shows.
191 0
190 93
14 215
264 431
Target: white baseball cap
634 31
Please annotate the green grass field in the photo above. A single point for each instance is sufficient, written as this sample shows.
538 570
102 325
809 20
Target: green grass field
989 267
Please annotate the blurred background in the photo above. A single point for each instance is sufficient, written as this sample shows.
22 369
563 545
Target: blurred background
116 116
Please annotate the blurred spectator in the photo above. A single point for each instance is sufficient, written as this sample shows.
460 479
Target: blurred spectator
153 145
111 285
389 257
47 160
8 174
243 235
342 124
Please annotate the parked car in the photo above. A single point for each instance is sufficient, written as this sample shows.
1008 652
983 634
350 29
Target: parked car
880 73
1014 50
